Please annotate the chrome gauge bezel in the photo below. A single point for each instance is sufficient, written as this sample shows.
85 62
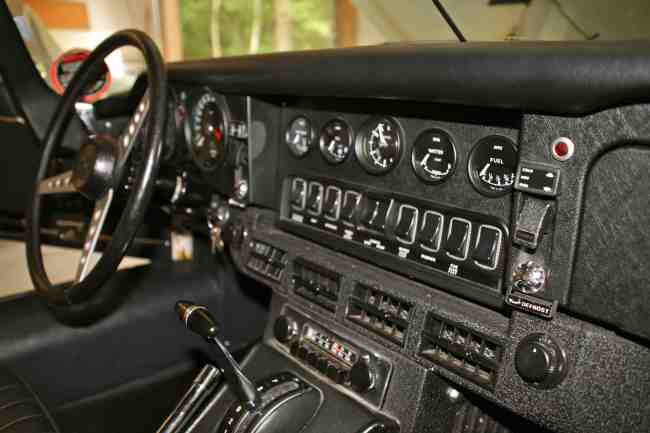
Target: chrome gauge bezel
361 141
323 146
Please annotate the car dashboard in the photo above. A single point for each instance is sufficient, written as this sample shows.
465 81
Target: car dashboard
467 220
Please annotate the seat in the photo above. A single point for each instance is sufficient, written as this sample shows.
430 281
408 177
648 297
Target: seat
21 411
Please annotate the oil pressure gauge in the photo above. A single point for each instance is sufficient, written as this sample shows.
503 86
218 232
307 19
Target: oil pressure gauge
492 165
434 156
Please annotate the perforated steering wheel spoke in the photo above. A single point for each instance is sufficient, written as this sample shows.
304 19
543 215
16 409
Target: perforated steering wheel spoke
92 235
130 134
59 184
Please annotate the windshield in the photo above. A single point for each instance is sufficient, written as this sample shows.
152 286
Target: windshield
192 29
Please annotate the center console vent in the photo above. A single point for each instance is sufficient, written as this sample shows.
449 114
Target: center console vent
317 284
461 350
383 314
266 260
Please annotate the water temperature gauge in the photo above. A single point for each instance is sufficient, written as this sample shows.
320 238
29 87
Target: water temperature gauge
434 156
492 165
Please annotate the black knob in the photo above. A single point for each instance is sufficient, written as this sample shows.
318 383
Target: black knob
285 329
540 361
337 374
362 375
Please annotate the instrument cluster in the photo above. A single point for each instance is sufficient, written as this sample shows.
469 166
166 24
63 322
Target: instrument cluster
380 143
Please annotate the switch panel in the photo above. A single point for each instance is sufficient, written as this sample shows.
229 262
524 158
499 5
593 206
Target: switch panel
427 241
458 235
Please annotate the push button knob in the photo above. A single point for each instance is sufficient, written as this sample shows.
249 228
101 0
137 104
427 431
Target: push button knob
285 329
540 361
529 277
362 375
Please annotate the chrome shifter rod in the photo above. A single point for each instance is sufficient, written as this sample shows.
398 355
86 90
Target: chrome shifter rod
202 386
198 319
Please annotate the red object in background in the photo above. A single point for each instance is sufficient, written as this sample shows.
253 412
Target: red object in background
66 65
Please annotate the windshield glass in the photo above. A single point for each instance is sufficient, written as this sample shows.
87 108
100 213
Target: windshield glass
193 29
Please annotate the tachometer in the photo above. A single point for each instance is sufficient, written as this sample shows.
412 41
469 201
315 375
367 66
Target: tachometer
492 165
379 145
335 141
209 131
434 156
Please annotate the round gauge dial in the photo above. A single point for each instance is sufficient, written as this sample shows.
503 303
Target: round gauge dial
335 141
209 132
379 145
433 156
492 165
299 136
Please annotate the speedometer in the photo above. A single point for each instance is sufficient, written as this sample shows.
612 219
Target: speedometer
379 145
492 165
209 131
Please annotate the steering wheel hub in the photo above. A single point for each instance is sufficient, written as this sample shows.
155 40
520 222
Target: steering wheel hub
93 172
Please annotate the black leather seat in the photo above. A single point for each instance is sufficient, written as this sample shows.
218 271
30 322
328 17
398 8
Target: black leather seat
20 409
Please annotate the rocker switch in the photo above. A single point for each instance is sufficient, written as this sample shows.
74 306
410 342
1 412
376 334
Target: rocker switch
458 236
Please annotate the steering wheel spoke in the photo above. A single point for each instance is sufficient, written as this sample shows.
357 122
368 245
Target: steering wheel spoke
92 235
129 137
59 184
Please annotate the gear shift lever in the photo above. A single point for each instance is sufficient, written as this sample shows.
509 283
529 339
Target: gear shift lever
198 319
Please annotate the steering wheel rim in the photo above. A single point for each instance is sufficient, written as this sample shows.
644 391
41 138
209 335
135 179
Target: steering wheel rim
89 298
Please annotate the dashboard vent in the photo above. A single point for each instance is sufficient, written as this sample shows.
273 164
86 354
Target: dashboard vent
461 350
381 313
470 419
317 284
266 260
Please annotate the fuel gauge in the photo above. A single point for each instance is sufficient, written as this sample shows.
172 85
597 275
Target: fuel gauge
492 165
434 156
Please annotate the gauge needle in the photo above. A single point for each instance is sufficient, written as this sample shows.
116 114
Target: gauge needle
485 169
382 139
217 134
424 161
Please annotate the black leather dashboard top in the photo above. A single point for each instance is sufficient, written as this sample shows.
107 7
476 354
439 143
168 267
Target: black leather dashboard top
551 77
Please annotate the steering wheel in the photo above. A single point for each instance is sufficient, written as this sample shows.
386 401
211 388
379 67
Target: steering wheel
96 174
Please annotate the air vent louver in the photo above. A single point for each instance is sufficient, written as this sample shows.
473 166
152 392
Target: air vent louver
381 313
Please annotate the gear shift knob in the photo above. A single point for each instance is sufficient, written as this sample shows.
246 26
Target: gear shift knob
198 319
